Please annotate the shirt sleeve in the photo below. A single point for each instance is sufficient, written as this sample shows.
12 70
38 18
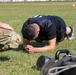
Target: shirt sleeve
51 32
23 28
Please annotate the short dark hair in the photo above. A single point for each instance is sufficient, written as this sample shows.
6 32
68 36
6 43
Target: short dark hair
30 32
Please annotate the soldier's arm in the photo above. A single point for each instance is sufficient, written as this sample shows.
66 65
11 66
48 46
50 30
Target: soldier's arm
5 26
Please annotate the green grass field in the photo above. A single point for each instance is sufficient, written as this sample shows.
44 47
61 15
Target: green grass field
17 62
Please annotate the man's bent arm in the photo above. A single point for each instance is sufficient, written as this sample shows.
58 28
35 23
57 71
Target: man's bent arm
50 47
5 26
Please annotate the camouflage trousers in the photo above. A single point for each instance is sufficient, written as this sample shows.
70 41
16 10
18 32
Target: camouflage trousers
8 39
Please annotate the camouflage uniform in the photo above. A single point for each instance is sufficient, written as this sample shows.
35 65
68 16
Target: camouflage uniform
9 39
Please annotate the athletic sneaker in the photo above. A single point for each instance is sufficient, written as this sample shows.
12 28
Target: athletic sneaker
71 35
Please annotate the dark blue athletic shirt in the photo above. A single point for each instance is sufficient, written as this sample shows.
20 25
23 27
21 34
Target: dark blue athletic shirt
48 26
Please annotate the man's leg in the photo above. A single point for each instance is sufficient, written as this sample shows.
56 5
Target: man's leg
70 33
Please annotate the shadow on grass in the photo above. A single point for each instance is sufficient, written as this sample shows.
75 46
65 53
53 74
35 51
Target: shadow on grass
38 44
3 58
20 48
35 44
34 67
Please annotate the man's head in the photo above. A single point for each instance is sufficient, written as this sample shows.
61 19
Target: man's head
31 31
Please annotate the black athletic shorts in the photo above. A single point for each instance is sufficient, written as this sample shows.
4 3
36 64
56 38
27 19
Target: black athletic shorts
61 31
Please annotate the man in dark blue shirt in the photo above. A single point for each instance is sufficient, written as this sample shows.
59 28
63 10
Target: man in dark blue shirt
45 28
